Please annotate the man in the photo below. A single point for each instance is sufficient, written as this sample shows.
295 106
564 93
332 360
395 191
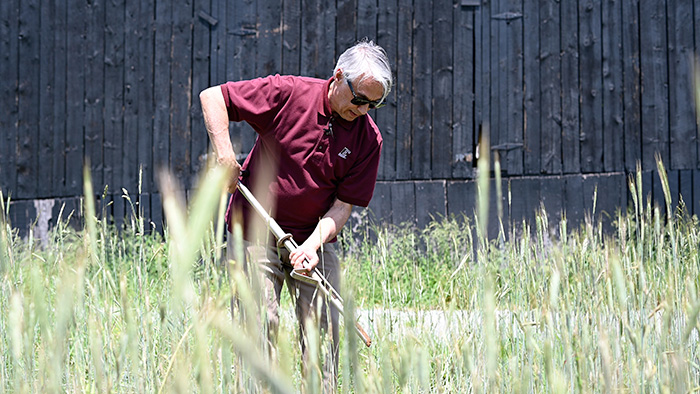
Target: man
323 150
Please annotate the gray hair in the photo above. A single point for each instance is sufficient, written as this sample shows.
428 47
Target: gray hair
368 60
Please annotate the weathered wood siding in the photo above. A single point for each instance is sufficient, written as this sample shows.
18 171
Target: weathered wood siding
573 94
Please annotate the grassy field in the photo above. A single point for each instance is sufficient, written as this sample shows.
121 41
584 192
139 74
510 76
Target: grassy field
546 310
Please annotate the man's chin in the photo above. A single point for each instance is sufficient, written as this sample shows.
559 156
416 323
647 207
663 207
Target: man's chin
350 116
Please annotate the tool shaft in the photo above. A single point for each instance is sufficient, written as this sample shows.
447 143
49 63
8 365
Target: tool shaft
315 276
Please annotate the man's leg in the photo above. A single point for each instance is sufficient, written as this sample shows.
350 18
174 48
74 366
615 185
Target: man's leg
266 278
307 305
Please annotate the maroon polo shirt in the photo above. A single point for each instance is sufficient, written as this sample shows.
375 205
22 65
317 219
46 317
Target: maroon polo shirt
315 155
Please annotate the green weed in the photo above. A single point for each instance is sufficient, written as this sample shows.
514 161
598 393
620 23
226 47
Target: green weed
103 309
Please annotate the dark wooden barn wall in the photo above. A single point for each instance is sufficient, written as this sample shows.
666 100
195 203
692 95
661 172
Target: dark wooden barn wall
569 92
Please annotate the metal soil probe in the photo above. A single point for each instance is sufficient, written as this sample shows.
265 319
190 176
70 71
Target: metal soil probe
314 277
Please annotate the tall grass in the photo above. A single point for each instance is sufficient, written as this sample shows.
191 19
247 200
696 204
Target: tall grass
101 309
588 312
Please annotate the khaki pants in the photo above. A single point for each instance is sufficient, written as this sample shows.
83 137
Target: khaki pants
310 305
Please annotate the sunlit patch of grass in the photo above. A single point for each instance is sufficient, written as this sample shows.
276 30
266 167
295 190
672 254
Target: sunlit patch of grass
127 310
590 312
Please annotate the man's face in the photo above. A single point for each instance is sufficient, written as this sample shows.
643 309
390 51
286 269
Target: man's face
342 96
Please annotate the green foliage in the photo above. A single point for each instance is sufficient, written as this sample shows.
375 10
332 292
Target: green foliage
542 310
401 266
579 311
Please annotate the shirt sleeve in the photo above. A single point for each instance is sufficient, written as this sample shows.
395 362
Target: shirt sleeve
357 187
255 101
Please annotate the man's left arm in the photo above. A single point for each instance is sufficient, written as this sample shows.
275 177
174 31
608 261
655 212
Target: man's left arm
327 228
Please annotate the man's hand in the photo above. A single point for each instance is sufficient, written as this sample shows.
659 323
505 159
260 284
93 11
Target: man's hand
232 165
305 257
327 228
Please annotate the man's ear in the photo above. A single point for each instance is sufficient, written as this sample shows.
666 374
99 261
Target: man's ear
338 74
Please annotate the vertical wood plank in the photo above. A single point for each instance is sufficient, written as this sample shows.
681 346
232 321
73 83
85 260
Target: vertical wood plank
442 77
674 188
550 80
696 47
380 205
28 99
367 19
162 82
404 88
403 203
631 84
94 90
130 164
480 104
657 192
570 89
461 198
240 63
146 74
686 190
318 38
552 198
654 67
431 202
591 190
525 201
45 148
114 93
181 97
613 199
9 69
118 210
463 85
200 81
346 25
157 212
531 76
606 191
75 98
590 56
532 199
387 38
613 149
143 211
269 46
682 125
574 200
367 15
623 194
291 37
694 199
217 51
327 58
66 208
514 154
422 91
21 216
240 31
647 186
497 123
495 222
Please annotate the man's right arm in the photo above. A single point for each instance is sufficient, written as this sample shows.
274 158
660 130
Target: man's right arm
217 123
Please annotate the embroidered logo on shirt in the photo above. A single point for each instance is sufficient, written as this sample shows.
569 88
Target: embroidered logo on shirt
344 153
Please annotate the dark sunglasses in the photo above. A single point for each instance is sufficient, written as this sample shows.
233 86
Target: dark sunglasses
362 101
